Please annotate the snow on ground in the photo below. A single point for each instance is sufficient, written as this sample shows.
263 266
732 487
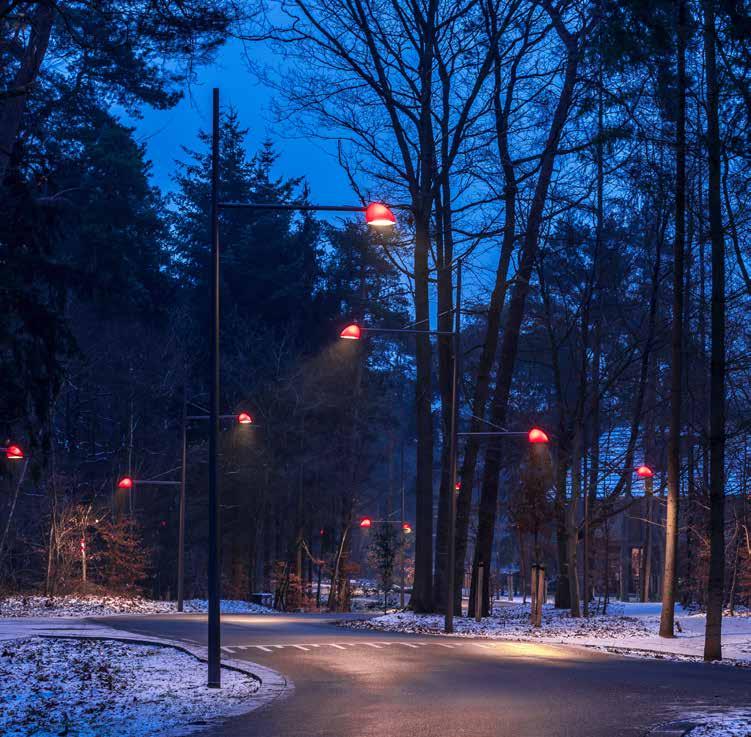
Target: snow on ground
509 622
728 724
628 628
101 606
83 688
228 606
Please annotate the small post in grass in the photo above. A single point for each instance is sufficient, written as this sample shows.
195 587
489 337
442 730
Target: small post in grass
538 596
478 591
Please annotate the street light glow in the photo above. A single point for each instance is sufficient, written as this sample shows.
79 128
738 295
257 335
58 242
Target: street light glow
379 216
535 435
407 528
366 522
126 482
351 332
244 419
645 472
14 453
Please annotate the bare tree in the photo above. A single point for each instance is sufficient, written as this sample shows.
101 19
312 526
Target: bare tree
716 580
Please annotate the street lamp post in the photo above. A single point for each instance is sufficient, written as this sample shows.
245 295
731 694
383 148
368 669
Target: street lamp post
448 624
127 482
535 436
354 331
376 214
403 564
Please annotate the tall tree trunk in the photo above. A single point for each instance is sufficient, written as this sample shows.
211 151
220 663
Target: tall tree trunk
445 250
13 106
501 112
422 591
510 342
715 584
12 511
594 418
562 590
669 576
572 525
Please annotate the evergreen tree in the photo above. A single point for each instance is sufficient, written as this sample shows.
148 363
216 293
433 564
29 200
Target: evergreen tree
270 259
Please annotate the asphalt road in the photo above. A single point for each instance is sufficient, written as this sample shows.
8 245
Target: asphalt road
350 683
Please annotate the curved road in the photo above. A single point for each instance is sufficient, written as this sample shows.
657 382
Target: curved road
352 683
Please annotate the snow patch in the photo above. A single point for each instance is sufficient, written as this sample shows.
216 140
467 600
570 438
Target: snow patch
87 688
102 606
728 724
628 628
511 622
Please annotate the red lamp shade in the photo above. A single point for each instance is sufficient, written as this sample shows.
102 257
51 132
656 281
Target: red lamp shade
407 528
458 486
351 332
366 522
126 482
644 472
379 215
13 453
535 435
244 418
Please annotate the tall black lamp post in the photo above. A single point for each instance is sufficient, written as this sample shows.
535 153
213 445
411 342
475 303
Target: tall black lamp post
376 214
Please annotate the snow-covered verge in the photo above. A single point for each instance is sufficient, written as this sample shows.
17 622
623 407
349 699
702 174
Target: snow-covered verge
89 688
730 724
509 622
102 606
628 629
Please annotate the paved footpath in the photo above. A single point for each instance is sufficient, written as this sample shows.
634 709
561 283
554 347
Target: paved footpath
354 683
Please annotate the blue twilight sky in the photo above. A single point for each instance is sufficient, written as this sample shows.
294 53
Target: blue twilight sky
164 132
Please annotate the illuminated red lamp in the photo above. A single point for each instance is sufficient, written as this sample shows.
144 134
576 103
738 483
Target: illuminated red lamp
366 522
13 453
407 528
351 332
458 486
126 482
378 215
645 472
244 418
535 435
